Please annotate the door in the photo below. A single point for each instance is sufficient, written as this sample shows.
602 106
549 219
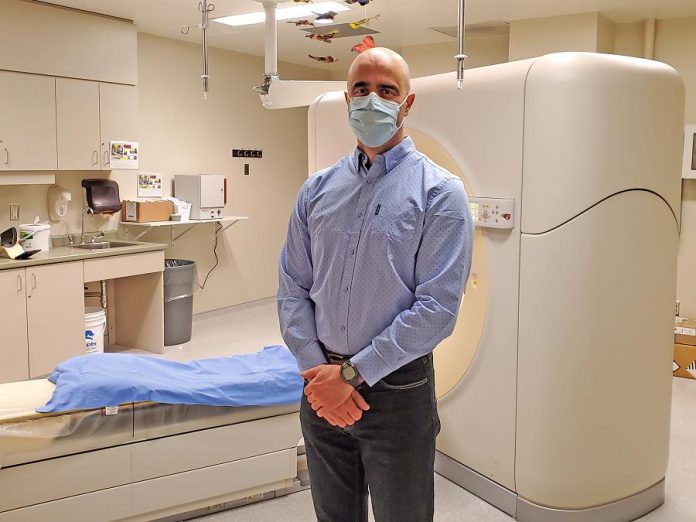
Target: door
14 355
28 122
77 109
118 112
212 191
56 315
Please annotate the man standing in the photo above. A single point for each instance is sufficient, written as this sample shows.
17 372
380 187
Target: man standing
371 276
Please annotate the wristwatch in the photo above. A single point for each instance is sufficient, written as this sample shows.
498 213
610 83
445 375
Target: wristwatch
350 374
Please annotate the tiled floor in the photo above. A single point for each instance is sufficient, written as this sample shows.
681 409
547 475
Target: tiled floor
249 327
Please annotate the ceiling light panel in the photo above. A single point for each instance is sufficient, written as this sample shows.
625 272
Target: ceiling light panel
284 13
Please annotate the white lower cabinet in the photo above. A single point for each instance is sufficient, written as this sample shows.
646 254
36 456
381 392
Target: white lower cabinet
14 355
41 319
55 315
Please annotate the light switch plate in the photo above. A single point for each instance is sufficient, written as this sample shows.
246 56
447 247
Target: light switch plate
14 211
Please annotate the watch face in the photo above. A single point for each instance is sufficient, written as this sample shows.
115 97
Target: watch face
349 372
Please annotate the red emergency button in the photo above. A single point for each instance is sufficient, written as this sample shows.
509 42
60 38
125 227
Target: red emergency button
507 216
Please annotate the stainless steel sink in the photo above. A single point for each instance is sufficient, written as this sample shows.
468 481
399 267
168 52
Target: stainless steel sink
101 245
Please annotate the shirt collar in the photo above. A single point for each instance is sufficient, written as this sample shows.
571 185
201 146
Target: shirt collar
391 157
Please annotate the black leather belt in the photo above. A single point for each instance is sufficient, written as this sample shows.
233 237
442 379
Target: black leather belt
335 358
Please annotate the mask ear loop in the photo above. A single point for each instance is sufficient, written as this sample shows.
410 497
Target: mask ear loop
403 120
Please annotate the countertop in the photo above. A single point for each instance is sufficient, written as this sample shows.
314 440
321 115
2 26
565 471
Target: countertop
64 254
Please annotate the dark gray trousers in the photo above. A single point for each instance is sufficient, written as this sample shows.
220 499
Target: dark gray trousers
390 451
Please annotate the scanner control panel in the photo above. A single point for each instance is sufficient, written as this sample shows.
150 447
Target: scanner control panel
493 213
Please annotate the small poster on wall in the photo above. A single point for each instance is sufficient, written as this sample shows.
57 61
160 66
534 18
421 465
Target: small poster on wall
124 154
149 185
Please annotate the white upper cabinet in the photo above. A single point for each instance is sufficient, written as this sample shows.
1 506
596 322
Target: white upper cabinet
77 103
27 122
118 110
51 123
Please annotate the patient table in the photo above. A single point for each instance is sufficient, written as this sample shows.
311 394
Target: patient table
144 462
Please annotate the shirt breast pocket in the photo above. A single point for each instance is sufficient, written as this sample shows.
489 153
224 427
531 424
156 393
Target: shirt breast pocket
398 230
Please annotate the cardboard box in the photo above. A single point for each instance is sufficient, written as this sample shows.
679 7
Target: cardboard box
147 211
685 331
684 361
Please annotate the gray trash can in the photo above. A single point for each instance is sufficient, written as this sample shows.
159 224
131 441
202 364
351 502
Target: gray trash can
179 277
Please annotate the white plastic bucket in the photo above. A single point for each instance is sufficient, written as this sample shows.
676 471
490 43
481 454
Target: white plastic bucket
36 236
95 327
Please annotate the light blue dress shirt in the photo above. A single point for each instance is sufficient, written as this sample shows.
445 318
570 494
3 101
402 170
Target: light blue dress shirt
375 261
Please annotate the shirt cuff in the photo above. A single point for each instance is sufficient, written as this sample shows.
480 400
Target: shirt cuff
370 365
310 356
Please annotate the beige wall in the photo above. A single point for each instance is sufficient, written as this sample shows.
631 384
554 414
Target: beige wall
425 60
676 45
606 34
181 133
429 59
582 32
628 39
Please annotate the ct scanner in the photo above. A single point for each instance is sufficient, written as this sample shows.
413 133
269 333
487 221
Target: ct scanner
555 387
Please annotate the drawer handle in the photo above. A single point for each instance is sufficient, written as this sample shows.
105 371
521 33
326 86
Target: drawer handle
33 281
106 158
7 156
19 283
95 158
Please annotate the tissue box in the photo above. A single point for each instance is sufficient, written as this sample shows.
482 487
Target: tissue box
147 211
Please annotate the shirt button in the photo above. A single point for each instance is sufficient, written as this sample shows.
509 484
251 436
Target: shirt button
343 328
360 214
352 251
347 288
369 181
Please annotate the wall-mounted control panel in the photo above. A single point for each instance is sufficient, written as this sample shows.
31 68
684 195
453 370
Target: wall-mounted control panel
493 213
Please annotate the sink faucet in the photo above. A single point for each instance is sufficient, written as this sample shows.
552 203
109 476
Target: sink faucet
85 211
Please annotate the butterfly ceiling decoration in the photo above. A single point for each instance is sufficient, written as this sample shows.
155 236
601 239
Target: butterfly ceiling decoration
323 59
326 38
328 16
299 23
365 21
367 43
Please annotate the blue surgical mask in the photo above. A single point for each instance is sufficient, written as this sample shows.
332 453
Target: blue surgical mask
373 119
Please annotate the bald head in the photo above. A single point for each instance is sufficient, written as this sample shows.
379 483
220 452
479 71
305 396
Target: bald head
385 73
382 63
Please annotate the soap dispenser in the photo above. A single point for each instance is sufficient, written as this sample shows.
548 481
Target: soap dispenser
58 199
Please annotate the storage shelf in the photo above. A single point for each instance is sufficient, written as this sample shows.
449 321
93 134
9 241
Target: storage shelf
225 221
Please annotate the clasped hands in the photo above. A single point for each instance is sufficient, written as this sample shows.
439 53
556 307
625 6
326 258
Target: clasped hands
331 397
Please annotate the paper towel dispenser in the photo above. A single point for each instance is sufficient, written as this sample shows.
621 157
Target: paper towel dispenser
102 195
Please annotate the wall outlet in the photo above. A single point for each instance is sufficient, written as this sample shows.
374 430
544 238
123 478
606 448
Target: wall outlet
14 211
